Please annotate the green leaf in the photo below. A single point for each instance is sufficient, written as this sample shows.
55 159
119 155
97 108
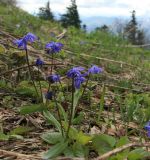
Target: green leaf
20 130
82 138
28 109
26 91
52 137
103 143
50 118
122 141
80 150
62 112
4 137
16 137
56 150
79 118
77 96
68 152
138 154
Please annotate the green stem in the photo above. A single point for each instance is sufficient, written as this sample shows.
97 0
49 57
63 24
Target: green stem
27 59
71 113
52 63
60 121
49 86
40 84
85 85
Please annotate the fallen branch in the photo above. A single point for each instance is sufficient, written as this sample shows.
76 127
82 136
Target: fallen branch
25 66
19 155
120 149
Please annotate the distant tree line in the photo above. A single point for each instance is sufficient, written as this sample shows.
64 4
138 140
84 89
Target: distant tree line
127 30
130 30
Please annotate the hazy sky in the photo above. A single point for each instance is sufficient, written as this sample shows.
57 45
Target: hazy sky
89 8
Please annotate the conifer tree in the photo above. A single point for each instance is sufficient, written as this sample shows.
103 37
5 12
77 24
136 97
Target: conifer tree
131 29
45 12
140 37
71 18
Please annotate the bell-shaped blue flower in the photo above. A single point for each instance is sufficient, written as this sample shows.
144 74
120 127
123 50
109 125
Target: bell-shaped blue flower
39 62
53 47
30 37
95 70
78 80
75 71
53 78
22 43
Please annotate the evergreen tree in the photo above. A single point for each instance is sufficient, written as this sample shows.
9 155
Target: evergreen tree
140 37
71 18
131 29
45 12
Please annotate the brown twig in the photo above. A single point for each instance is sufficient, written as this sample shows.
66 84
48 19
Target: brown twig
25 66
120 149
19 155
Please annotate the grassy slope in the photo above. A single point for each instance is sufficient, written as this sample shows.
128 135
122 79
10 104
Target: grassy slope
98 44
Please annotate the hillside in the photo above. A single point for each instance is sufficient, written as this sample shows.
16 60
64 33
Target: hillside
111 108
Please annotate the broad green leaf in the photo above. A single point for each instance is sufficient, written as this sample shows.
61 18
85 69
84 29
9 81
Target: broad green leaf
4 137
79 118
56 150
73 133
16 137
82 138
26 91
77 96
20 130
50 118
122 141
80 150
137 154
28 109
62 111
68 152
103 143
52 137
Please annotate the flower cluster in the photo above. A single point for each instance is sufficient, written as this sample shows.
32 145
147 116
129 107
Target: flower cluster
78 77
22 43
53 47
147 127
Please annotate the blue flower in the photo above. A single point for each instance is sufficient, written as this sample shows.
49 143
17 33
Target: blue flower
49 95
78 81
53 78
147 127
30 37
95 70
75 71
22 43
39 62
53 47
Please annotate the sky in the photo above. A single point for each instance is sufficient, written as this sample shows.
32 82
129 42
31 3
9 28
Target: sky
92 8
